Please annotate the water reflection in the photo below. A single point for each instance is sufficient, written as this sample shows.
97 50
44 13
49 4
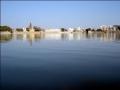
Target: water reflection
5 37
31 37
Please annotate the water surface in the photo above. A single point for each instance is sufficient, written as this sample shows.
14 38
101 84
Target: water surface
77 61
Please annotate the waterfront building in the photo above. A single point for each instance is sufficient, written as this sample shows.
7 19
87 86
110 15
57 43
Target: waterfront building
78 28
24 29
103 27
53 30
70 30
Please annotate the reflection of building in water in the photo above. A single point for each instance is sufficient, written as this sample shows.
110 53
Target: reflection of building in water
70 36
24 36
64 36
103 36
61 36
55 36
31 37
35 37
110 37
19 36
78 36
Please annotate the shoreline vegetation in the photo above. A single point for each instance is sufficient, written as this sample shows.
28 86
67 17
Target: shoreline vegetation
38 30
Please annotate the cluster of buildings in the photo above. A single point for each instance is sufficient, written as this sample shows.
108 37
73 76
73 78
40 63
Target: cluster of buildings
110 28
29 29
102 28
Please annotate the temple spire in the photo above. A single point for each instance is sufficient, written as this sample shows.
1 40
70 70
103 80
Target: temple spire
30 25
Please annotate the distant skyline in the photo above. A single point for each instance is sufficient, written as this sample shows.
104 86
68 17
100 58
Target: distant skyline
57 14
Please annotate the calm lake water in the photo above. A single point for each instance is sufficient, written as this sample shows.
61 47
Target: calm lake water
76 61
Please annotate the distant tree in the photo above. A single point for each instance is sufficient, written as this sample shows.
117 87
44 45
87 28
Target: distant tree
6 28
88 29
37 28
74 30
19 29
27 29
92 29
99 30
119 28
63 29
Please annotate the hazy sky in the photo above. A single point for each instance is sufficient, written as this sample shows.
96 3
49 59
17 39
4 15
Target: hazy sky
55 14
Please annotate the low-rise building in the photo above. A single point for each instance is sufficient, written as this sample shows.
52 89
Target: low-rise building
70 30
53 30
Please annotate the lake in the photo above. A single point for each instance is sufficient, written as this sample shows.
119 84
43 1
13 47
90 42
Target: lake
54 61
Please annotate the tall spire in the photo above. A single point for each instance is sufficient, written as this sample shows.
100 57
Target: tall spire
30 26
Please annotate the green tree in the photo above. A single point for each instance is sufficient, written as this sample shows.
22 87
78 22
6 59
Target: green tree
63 29
5 28
38 28
19 29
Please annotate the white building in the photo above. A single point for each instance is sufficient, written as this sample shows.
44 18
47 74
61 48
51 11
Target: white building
70 29
52 30
105 27
79 29
24 30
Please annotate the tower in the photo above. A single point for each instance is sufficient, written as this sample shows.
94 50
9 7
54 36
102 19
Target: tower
31 27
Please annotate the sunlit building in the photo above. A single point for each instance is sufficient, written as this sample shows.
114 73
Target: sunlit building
70 29
53 30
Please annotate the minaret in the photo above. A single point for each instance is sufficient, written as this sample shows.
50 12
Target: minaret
31 28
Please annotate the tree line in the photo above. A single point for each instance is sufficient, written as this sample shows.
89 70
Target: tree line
9 29
5 28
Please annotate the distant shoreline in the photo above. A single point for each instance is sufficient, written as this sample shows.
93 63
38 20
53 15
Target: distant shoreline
38 30
41 32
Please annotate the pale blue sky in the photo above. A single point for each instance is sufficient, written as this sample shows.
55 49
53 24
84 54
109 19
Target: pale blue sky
56 14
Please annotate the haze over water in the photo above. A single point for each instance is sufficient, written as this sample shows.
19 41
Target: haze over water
74 61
